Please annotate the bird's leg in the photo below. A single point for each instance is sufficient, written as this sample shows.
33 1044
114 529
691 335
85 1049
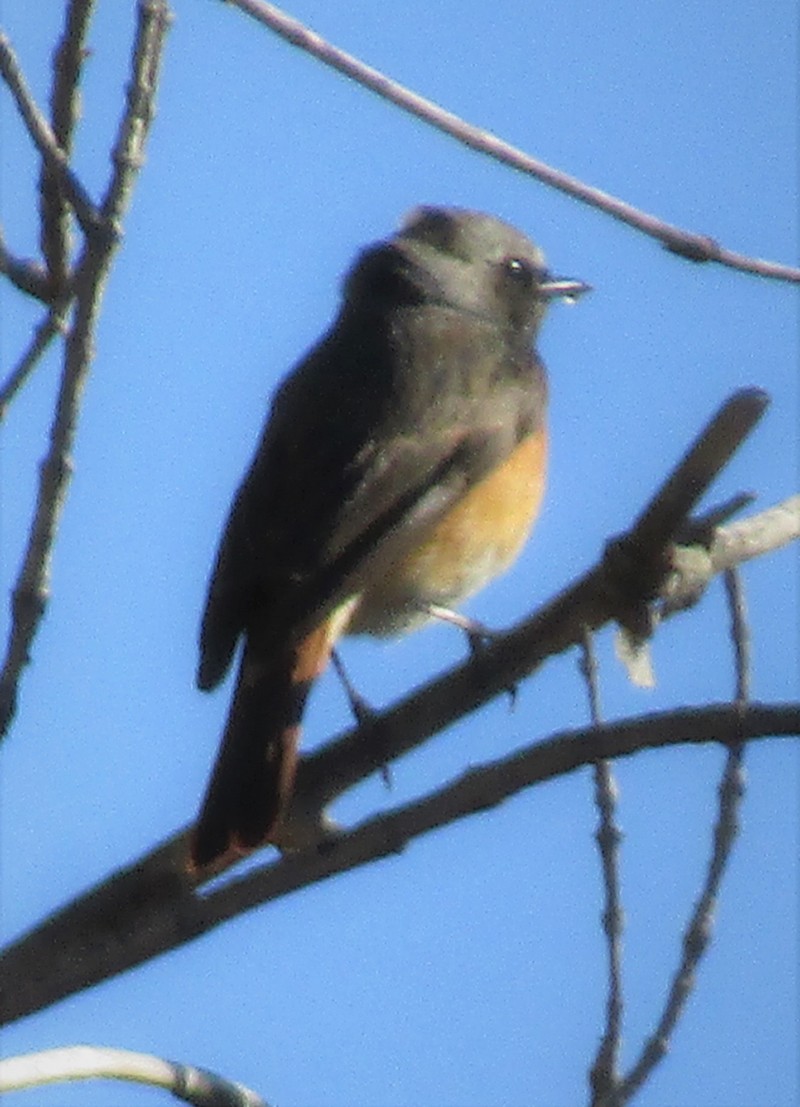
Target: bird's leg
363 711
479 636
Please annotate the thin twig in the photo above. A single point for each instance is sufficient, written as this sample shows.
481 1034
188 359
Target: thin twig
699 929
154 19
26 275
590 672
197 1087
697 933
52 324
740 633
54 210
741 541
31 590
694 247
603 1075
695 566
701 527
45 141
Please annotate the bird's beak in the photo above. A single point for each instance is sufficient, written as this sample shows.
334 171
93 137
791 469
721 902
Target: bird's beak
564 288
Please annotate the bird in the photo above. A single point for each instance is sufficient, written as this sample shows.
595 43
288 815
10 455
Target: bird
401 467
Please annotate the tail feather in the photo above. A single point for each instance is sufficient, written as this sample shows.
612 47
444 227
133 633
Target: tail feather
253 777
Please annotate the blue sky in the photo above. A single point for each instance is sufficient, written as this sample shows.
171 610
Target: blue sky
468 971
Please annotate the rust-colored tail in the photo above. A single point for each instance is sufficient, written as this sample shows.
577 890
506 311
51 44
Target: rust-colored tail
253 777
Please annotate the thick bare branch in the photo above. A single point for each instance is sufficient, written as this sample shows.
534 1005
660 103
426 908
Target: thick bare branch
555 627
687 244
149 907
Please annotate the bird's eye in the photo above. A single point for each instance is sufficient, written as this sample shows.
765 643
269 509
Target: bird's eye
520 271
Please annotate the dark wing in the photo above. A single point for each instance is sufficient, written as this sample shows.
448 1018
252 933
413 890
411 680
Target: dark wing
303 470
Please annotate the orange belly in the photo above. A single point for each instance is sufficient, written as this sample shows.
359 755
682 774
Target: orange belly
474 542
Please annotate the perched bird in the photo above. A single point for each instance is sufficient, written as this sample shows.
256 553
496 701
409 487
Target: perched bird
400 469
